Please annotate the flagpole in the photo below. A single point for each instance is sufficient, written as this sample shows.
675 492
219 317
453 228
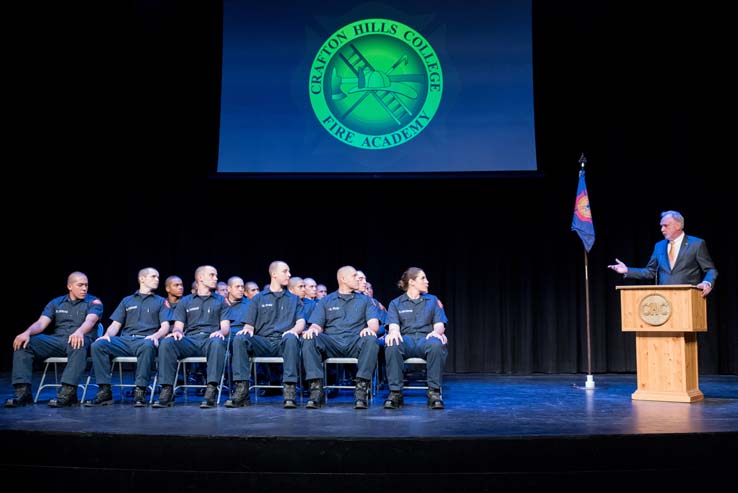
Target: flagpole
589 384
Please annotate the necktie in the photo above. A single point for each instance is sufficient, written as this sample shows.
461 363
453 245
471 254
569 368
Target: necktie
672 253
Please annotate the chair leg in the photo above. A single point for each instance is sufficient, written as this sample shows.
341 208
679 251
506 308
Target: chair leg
299 380
256 381
120 378
176 377
41 383
153 390
84 388
220 387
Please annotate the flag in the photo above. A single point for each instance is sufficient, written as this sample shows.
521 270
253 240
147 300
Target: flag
582 221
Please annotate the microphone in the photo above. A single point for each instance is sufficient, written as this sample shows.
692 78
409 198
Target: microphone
656 277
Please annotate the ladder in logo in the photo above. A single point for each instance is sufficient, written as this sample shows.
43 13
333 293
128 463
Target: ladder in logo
391 104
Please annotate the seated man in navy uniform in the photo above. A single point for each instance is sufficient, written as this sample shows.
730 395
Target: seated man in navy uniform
201 327
237 305
139 322
320 291
343 324
382 313
272 327
75 317
251 289
311 289
175 290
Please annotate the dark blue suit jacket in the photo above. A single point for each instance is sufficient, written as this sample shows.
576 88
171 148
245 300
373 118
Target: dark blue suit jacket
692 266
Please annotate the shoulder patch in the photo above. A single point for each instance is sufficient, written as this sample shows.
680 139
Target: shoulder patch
96 301
440 305
166 303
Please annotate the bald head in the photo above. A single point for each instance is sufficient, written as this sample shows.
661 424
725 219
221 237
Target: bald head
279 272
235 280
172 280
275 267
206 276
203 269
235 289
174 287
252 289
344 272
77 285
321 291
148 280
361 278
146 271
347 279
296 286
71 278
311 288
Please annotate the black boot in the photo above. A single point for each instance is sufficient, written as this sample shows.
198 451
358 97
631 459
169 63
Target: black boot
67 396
209 399
139 397
166 397
360 393
394 400
104 397
289 394
435 401
21 396
240 396
317 397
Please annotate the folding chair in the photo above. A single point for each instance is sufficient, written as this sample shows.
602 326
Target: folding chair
347 361
56 360
182 363
120 361
270 359
418 361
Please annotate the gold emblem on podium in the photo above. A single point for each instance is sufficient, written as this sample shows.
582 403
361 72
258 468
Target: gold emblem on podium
654 309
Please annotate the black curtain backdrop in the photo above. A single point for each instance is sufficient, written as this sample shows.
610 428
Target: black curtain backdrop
118 128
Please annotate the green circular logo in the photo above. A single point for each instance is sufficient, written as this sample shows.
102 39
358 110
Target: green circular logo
375 84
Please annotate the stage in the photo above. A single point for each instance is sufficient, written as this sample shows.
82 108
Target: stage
496 433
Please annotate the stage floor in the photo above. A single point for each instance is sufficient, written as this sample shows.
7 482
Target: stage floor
497 433
476 406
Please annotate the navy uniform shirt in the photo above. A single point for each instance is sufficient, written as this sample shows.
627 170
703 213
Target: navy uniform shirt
272 314
201 313
238 311
381 313
344 315
68 315
141 314
171 307
416 316
308 306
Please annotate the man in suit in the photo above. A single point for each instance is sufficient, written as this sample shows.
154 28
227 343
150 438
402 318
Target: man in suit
678 259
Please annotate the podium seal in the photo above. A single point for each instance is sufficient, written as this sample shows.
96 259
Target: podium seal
654 309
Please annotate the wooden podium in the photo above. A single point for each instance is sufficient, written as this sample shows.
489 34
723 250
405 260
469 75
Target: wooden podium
666 320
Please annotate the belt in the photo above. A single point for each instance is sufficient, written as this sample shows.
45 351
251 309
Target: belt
200 333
